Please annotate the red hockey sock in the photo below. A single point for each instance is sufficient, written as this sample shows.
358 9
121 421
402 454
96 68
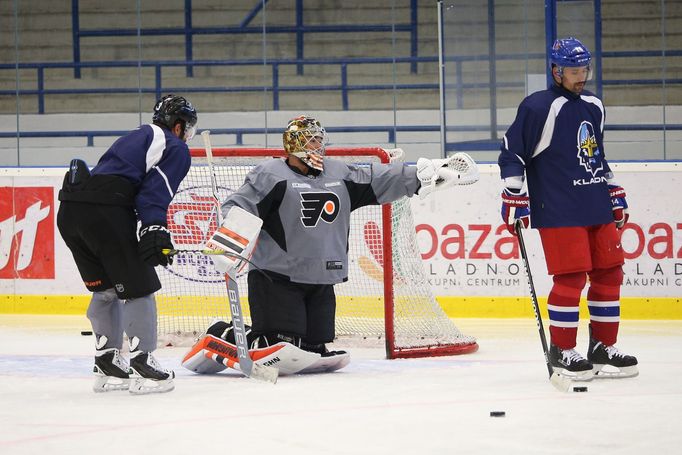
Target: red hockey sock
603 300
563 305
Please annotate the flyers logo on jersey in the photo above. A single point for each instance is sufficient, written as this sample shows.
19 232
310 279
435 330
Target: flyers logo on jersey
316 206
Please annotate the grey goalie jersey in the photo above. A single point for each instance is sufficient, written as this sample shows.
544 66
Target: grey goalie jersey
306 220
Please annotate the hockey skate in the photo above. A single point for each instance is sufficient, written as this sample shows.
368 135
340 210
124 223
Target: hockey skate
111 371
569 363
147 375
609 362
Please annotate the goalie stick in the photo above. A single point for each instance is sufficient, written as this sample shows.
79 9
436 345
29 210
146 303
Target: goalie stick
246 365
207 252
205 135
560 382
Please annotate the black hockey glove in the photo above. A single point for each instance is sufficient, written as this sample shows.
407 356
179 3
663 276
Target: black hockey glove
154 238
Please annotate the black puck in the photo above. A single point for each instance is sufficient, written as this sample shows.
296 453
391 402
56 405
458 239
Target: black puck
580 389
86 333
497 413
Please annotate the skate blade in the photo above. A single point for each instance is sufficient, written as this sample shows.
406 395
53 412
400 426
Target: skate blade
611 372
577 376
144 386
110 384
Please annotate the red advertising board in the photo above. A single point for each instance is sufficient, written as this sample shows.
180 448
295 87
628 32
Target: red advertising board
27 232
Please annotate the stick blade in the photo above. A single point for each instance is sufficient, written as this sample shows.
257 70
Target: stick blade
562 383
264 373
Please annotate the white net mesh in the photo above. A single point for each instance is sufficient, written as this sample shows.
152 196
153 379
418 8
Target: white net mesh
193 293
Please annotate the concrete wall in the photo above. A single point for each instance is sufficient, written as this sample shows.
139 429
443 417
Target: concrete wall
44 34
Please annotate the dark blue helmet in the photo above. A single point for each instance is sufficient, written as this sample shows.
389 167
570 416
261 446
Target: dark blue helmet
569 52
170 109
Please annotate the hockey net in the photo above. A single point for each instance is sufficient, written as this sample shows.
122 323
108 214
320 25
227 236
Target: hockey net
386 297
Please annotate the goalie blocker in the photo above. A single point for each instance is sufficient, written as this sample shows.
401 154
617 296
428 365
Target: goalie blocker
237 236
212 354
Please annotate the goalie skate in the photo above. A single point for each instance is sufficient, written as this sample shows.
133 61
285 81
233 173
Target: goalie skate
111 371
609 362
148 376
212 354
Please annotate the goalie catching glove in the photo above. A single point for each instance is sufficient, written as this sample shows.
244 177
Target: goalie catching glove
434 175
237 237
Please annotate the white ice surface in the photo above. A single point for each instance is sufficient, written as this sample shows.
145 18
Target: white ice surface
374 406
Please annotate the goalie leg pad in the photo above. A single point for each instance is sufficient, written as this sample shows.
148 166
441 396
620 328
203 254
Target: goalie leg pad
328 362
211 355
201 361
290 359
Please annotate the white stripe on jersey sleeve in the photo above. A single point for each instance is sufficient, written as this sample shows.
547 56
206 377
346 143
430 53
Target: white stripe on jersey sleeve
165 179
596 101
155 150
505 141
548 129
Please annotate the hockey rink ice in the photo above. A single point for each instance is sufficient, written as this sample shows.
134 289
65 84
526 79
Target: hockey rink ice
374 406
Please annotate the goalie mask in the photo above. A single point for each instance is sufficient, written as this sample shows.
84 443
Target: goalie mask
306 139
570 53
172 109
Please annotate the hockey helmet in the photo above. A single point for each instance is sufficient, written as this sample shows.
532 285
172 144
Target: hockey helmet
305 138
171 109
570 52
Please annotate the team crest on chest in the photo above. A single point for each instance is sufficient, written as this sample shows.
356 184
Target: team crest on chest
318 205
589 155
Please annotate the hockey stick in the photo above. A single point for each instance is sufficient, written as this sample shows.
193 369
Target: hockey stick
206 252
205 135
246 365
560 382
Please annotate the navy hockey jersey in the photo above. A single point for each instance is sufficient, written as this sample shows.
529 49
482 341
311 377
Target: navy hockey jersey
155 161
557 139
306 220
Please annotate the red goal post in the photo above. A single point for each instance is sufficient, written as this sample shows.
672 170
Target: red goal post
386 297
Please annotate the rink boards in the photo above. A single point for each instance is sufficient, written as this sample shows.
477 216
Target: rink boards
471 262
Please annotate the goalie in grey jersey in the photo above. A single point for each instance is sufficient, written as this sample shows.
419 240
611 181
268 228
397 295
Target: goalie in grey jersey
305 203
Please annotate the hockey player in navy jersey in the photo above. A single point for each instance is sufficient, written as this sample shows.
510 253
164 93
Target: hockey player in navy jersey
556 145
305 203
134 181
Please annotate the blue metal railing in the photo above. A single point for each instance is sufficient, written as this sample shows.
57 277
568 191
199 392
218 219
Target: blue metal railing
389 130
275 87
188 31
239 133
344 87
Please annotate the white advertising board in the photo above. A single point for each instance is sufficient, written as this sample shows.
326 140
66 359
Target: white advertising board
466 249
